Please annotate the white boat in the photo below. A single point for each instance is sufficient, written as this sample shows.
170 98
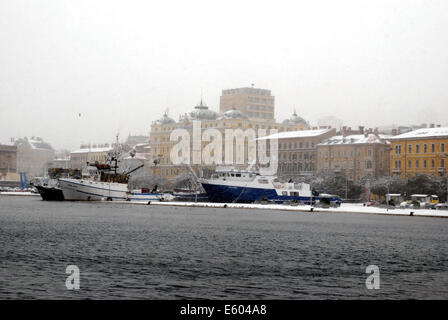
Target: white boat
102 182
94 189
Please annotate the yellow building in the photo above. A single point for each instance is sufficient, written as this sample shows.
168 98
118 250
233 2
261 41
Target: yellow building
232 119
423 151
355 156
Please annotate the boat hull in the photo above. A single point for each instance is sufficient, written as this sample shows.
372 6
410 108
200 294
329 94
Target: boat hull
86 190
228 193
50 194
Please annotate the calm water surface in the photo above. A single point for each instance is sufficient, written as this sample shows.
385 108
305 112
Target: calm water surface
154 252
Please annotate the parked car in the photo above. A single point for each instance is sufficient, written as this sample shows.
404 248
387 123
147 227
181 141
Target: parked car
441 206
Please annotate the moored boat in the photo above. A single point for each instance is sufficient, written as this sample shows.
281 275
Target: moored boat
249 187
101 181
50 193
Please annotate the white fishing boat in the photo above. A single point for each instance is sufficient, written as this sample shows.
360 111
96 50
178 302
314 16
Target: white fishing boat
102 182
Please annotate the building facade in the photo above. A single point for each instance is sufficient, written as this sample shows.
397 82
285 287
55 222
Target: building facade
8 161
297 150
355 156
422 151
33 155
80 157
257 104
232 119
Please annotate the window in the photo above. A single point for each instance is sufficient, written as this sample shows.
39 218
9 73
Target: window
417 164
409 164
433 148
433 164
368 164
410 148
424 164
442 163
442 147
425 148
397 149
417 148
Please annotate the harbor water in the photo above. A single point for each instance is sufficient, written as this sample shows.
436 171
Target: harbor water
160 252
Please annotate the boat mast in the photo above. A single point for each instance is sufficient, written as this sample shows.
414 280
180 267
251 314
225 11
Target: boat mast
115 157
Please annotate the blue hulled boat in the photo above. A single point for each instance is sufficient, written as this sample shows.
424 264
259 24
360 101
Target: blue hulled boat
249 187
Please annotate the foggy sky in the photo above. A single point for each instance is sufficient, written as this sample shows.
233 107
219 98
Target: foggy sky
121 64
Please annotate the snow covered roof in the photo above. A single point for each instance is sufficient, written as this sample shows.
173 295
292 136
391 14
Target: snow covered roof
296 134
423 133
6 142
141 144
33 143
39 144
354 139
86 150
138 156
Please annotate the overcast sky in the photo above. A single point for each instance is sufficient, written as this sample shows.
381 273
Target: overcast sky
121 64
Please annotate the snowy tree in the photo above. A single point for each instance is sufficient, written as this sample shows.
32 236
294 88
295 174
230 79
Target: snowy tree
148 180
184 180
334 183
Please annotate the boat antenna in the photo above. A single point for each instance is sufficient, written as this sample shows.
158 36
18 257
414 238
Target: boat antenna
115 155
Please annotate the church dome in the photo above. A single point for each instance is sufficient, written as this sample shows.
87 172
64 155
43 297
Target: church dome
202 112
295 119
233 114
165 119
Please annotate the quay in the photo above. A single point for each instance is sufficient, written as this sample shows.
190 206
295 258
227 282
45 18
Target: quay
344 208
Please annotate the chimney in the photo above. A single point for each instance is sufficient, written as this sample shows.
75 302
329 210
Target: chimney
376 132
361 129
438 126
394 132
432 125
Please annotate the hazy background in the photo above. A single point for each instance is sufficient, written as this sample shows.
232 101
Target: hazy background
121 64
